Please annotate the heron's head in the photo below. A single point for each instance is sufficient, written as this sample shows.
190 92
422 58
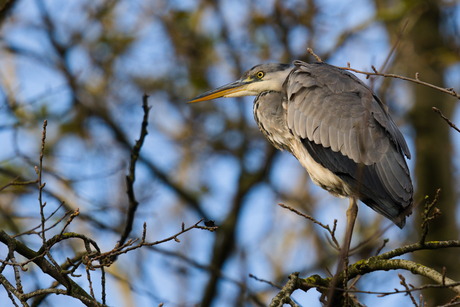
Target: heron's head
260 78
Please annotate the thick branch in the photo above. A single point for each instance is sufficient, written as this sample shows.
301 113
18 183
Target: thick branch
372 264
284 296
383 262
419 246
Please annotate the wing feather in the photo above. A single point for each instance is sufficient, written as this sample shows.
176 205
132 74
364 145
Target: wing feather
342 103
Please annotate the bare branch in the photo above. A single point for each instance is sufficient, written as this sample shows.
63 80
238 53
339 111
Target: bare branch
265 281
41 185
430 212
317 58
408 289
131 177
18 183
445 118
57 222
449 91
11 290
106 258
331 232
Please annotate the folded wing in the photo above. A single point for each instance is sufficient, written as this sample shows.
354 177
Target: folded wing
347 129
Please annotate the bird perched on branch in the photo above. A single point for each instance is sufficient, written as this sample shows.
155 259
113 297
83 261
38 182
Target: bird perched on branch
337 128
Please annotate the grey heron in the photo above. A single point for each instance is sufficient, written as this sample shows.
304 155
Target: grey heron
336 127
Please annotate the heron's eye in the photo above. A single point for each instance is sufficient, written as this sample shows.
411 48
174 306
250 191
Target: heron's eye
260 75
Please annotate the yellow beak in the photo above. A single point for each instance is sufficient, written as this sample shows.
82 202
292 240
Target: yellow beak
228 89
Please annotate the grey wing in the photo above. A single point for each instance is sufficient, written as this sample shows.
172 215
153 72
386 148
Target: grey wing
347 129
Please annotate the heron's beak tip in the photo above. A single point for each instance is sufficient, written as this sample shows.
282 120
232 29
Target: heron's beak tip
205 97
199 99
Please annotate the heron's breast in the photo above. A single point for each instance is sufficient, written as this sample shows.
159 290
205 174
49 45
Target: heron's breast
319 174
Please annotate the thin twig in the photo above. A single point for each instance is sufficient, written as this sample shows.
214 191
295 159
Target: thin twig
449 91
317 58
408 288
455 301
430 212
18 183
131 177
106 258
73 215
90 282
41 292
265 281
58 221
11 290
308 217
384 243
41 185
396 291
445 118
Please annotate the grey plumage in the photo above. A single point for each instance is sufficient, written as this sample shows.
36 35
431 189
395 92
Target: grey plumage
336 127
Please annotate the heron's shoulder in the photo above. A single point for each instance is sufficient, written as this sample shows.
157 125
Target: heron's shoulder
322 74
319 66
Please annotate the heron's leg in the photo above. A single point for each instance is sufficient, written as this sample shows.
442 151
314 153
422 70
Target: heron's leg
352 212
335 296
